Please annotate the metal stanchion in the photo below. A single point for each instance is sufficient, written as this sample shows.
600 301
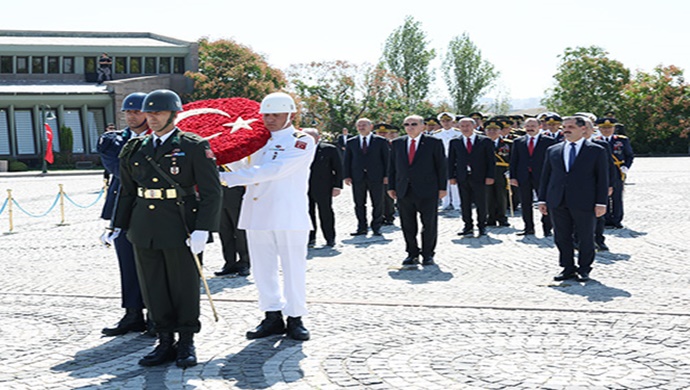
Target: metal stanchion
62 205
9 208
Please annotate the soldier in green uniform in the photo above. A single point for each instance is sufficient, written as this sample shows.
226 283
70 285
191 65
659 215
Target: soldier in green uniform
169 202
497 193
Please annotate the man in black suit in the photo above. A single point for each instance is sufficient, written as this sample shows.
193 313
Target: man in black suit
471 165
526 163
341 142
573 191
417 179
325 183
366 162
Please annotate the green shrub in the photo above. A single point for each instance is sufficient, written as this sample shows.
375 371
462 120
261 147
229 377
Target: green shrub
17 166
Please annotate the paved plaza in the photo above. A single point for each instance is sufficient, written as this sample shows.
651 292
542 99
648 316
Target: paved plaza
488 316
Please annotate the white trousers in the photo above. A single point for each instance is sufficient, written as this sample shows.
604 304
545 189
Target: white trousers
270 250
452 197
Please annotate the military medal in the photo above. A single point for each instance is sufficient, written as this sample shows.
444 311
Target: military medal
174 169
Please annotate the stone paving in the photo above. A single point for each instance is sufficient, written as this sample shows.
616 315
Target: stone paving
487 316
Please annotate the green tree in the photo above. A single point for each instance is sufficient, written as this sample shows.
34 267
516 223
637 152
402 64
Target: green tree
467 75
406 56
657 111
587 80
229 69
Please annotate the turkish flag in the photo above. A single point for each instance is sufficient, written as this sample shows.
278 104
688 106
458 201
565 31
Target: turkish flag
49 144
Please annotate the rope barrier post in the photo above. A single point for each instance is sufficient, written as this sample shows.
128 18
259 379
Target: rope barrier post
62 205
9 210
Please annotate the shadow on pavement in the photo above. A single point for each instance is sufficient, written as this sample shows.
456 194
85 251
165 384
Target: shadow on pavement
476 242
323 251
360 242
610 257
541 242
217 284
263 363
593 290
430 273
624 233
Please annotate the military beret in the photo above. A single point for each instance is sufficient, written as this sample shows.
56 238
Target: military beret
606 122
445 116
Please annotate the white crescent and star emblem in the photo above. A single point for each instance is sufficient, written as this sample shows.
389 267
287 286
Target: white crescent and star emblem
237 125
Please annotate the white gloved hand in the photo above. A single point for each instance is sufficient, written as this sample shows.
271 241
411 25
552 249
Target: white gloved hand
197 241
624 169
108 238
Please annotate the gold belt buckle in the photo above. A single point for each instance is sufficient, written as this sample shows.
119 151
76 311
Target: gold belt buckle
170 193
153 194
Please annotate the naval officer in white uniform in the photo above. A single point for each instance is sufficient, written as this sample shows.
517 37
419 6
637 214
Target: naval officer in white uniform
446 133
275 215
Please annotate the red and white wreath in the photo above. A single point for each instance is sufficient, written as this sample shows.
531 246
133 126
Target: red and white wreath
233 126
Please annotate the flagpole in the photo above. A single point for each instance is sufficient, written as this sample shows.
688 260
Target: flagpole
44 142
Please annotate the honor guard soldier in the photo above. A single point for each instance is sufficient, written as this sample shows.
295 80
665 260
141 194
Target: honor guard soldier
275 215
623 158
553 124
109 146
170 187
446 134
497 193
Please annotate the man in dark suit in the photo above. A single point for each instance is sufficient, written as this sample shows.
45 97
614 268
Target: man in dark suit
366 162
325 183
417 179
341 142
471 165
573 191
526 163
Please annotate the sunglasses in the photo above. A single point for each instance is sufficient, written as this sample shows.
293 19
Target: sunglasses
411 124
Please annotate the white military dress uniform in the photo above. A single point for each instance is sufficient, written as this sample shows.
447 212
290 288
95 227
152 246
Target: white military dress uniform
453 195
275 215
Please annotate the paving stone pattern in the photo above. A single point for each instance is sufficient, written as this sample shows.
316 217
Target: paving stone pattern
488 316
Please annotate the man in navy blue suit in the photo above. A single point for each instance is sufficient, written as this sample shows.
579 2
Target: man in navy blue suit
573 191
417 179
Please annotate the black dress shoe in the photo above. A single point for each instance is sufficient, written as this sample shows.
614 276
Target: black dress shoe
429 260
226 271
584 277
272 324
377 233
133 321
388 223
565 276
482 231
311 243
504 224
617 226
547 233
359 233
330 243
164 352
602 247
243 271
296 330
186 353
411 260
526 233
466 232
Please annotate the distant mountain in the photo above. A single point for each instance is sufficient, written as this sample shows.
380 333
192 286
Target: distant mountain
526 104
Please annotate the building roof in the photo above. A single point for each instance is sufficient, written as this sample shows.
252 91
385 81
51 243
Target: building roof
52 89
87 38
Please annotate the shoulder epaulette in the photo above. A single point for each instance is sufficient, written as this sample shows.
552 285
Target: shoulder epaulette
191 136
130 147
621 136
508 140
436 131
298 134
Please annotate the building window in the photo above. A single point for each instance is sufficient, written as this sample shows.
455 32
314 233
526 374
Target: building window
24 123
135 65
6 65
53 64
150 65
90 64
73 121
67 64
22 64
178 65
120 64
37 65
4 134
96 122
164 65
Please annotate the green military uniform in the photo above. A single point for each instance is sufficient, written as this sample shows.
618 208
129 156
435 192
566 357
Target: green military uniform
497 194
148 209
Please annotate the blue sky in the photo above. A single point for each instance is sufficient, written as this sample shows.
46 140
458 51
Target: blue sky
521 38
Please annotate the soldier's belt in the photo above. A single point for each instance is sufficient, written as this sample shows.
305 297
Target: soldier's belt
161 193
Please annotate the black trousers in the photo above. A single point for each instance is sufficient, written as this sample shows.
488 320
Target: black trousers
375 190
169 282
388 206
473 192
409 207
568 222
497 199
323 200
614 211
526 200
129 282
233 240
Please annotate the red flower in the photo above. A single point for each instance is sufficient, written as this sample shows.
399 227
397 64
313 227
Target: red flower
233 126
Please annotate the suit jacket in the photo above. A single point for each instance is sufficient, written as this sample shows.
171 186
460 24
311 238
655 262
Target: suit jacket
373 165
426 176
156 223
109 146
482 160
326 170
521 163
585 186
614 177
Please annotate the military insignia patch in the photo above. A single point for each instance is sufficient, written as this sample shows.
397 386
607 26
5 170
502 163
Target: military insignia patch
209 154
174 170
300 145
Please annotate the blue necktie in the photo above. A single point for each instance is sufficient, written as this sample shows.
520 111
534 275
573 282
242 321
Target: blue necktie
571 158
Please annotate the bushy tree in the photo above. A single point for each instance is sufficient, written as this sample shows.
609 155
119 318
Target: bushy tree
587 80
467 75
229 69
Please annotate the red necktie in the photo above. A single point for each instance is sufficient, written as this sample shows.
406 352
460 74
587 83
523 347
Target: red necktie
530 147
364 145
469 145
410 156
